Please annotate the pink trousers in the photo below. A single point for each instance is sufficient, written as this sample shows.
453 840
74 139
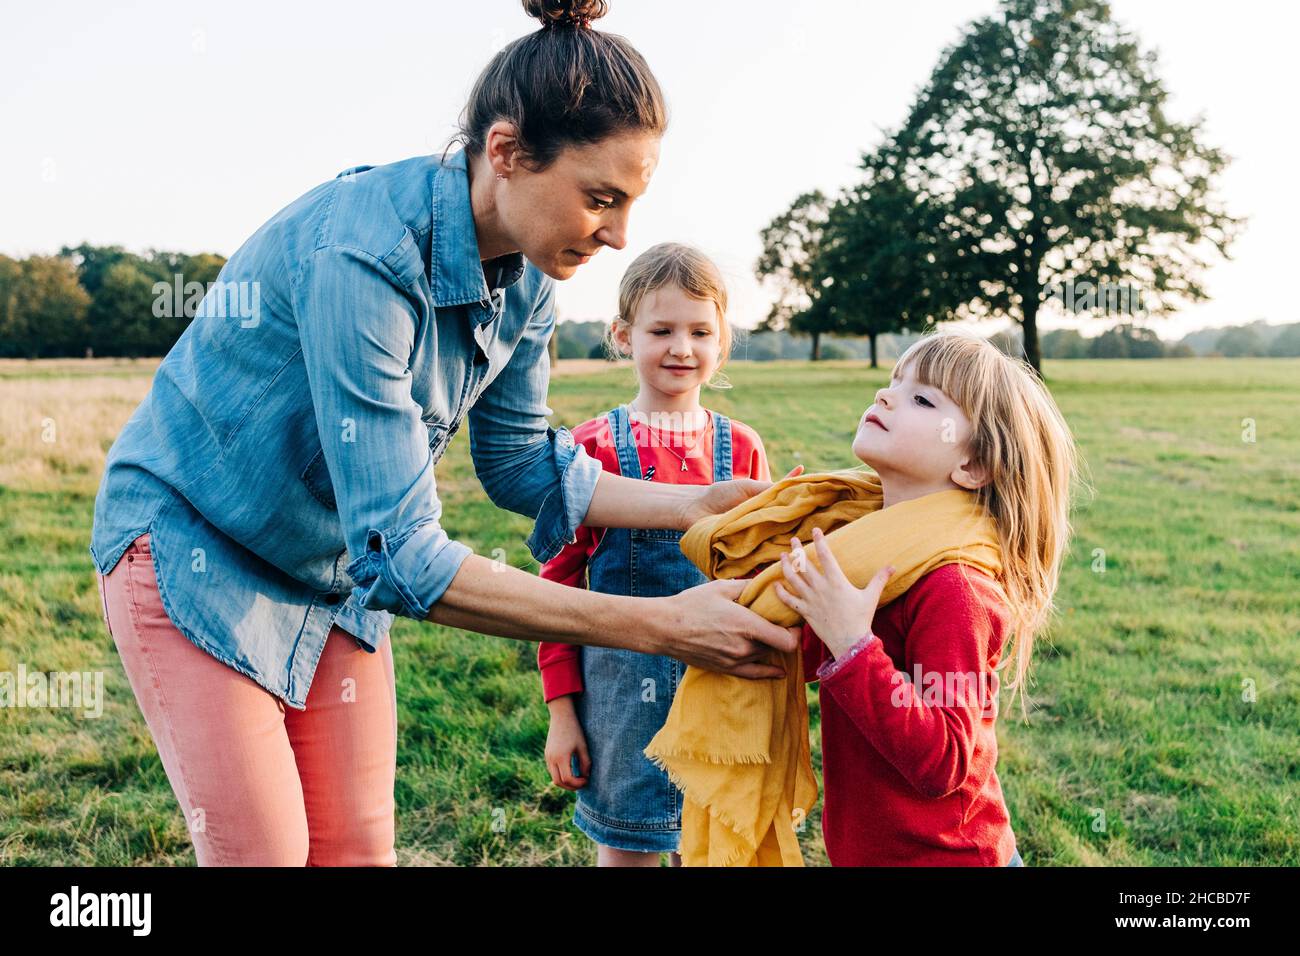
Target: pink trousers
261 784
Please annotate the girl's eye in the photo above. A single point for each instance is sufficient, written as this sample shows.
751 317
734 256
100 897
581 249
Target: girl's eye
703 332
659 332
923 401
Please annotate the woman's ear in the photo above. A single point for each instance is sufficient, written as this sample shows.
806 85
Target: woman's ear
500 145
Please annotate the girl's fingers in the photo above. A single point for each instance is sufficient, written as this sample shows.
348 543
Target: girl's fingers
876 586
830 567
793 582
802 564
795 471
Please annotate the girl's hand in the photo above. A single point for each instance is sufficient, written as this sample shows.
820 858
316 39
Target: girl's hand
564 739
839 612
722 496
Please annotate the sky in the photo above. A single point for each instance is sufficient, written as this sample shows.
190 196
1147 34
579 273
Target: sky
184 126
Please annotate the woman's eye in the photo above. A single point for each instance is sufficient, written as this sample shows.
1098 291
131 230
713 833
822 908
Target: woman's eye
922 400
602 203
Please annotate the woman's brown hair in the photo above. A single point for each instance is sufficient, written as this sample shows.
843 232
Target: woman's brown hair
563 85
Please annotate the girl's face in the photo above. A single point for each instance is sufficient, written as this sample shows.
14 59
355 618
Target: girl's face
673 339
917 432
562 216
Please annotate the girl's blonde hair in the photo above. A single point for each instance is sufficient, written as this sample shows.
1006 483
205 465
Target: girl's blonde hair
686 268
1020 438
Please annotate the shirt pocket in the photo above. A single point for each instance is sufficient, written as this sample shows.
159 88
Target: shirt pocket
316 477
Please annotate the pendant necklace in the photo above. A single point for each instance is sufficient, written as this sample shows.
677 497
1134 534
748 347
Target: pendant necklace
666 447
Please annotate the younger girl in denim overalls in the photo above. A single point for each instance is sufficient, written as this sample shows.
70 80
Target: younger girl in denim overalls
607 703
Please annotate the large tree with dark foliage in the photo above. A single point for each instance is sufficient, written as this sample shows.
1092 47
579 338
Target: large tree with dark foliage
1043 143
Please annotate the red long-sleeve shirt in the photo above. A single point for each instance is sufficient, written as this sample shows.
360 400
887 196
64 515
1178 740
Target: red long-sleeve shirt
561 664
908 765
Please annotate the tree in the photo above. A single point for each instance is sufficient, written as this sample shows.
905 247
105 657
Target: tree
788 262
866 262
42 308
121 316
1043 139
1127 341
124 304
1064 344
1238 342
1287 343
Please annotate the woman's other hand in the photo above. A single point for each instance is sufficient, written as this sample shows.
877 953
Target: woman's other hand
704 627
720 497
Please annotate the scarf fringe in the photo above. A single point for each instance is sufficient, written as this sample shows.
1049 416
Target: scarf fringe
757 757
745 833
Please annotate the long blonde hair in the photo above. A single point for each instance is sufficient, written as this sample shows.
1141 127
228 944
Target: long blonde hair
1020 438
687 268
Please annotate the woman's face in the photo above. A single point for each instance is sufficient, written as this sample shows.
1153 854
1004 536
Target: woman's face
560 217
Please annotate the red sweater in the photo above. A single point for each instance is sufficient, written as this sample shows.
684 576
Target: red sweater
561 664
908 767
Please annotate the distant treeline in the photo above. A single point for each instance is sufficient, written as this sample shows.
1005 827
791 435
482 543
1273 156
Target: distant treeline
99 300
584 340
105 301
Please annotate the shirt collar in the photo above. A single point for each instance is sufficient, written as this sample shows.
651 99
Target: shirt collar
455 270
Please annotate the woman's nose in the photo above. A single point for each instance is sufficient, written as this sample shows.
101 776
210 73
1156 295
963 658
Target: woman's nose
614 235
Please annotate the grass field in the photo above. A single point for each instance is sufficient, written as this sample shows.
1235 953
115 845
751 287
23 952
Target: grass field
1166 708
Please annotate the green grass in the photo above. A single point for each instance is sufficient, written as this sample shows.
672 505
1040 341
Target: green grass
1143 745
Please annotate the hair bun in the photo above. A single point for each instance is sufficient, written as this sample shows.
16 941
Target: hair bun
566 13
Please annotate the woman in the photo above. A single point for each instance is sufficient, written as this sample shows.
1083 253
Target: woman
274 494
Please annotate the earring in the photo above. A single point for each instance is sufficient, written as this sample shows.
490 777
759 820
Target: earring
501 176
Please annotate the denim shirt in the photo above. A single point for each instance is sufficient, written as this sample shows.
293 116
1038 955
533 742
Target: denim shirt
283 459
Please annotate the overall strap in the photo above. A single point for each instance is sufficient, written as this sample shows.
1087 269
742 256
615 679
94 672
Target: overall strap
620 428
721 447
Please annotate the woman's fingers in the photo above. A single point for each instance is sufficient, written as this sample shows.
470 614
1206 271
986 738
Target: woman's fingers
795 471
758 671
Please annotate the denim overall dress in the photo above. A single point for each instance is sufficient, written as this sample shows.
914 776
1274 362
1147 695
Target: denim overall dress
628 802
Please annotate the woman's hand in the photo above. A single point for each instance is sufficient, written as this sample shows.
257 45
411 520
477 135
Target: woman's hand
720 497
564 740
704 627
838 611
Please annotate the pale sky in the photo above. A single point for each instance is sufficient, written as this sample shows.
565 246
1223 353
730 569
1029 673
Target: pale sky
184 126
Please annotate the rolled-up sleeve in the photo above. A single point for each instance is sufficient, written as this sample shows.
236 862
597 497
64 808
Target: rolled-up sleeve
524 464
357 329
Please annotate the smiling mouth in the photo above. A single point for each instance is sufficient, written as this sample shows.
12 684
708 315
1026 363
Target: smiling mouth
584 256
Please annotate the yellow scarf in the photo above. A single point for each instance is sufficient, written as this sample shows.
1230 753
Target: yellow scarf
737 748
